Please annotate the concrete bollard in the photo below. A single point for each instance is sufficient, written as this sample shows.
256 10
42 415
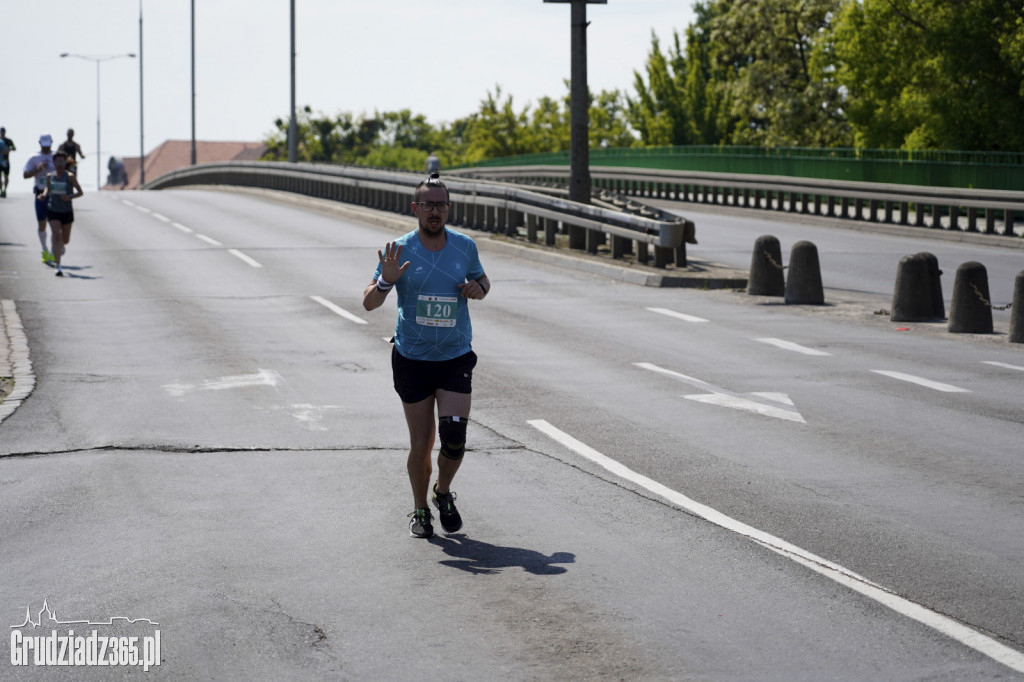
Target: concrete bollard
1017 310
917 296
970 312
766 278
803 285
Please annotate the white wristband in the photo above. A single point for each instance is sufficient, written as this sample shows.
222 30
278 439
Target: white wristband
384 285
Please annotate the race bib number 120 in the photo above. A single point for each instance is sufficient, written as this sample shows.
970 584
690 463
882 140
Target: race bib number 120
436 311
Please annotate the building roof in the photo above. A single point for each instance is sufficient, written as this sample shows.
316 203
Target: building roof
174 154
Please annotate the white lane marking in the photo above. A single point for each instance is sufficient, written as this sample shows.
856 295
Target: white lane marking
1003 364
263 377
186 230
723 398
338 310
927 383
209 240
126 202
246 259
961 633
142 208
161 217
680 316
795 347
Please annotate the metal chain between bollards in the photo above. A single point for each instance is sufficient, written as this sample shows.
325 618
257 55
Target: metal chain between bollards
987 302
772 261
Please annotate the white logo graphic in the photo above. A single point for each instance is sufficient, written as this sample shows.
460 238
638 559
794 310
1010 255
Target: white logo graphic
92 649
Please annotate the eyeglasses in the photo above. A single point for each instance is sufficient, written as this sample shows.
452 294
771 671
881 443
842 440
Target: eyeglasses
428 206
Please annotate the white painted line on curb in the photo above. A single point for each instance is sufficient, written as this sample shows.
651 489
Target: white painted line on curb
680 316
186 230
951 628
209 240
795 347
20 362
927 383
245 259
1003 364
338 310
161 217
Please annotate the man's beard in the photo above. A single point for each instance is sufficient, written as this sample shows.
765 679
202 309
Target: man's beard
432 226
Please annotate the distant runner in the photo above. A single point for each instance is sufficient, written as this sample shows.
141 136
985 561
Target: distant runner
61 187
38 167
71 148
6 147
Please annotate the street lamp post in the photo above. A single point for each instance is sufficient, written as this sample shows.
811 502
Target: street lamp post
98 61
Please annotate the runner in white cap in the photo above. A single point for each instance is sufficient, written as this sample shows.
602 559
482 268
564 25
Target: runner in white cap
38 167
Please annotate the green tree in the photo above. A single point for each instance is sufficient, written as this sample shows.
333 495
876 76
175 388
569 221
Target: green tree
933 73
779 81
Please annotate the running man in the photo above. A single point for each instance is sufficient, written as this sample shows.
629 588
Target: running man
61 187
38 167
6 147
71 148
432 360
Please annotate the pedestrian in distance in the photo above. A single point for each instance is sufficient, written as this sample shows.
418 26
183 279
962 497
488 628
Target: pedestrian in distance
6 147
37 168
72 148
61 187
432 359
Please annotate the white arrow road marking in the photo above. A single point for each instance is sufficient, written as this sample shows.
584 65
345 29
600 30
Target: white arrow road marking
789 345
263 377
338 310
679 316
947 626
927 383
311 416
1003 364
719 396
245 259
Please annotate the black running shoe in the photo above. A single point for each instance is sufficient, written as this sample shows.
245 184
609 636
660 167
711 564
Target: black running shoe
419 524
450 519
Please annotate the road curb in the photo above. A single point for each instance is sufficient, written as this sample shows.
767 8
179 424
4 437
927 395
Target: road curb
15 363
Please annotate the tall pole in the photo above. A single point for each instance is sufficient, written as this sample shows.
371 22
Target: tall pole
142 136
99 147
579 145
193 82
293 128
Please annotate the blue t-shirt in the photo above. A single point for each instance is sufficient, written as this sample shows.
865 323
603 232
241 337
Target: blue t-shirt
433 317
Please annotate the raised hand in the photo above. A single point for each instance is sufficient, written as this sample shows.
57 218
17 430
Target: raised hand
390 270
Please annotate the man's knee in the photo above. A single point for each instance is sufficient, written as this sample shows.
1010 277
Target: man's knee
452 431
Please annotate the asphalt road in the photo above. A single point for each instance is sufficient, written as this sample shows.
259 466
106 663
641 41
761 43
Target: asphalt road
660 483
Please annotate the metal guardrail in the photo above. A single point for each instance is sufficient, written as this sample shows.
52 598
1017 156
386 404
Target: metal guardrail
933 207
477 204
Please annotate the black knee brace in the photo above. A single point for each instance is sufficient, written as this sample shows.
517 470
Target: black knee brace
452 431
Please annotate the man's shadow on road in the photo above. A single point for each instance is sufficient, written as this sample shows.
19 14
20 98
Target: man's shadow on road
484 558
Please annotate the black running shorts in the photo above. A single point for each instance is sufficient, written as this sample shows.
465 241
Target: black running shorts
65 217
416 380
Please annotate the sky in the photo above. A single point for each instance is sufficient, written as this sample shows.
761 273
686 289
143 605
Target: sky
437 58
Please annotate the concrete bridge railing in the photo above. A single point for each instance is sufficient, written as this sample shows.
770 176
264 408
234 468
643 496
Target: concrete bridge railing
985 211
478 204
